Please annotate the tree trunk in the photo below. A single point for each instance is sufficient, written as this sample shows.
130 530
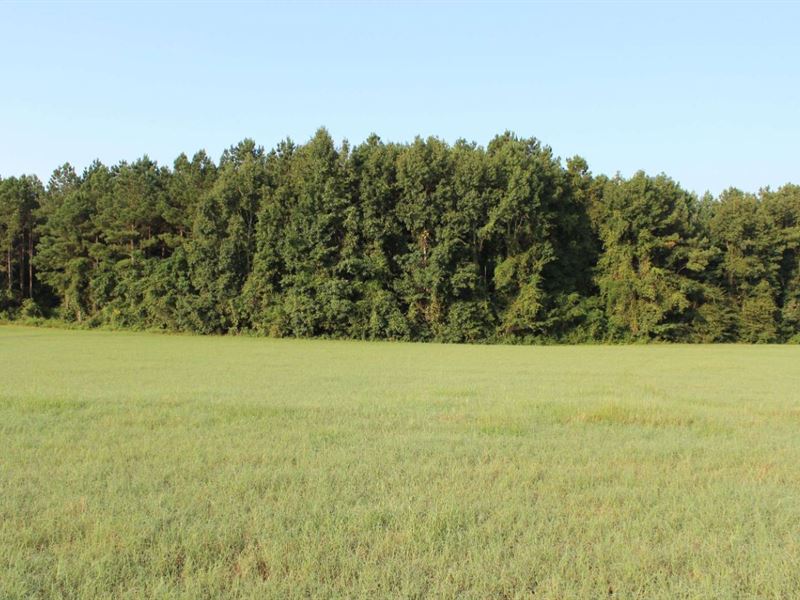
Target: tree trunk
30 265
22 267
8 268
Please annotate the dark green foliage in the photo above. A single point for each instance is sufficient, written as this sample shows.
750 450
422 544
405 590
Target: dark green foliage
220 250
420 241
19 198
643 273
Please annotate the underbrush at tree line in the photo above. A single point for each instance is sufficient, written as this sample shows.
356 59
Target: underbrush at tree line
419 241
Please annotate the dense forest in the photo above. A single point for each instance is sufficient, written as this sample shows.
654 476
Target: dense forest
419 241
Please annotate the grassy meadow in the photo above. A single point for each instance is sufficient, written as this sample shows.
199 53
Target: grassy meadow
154 466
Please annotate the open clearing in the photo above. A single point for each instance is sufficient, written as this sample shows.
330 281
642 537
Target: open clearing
143 465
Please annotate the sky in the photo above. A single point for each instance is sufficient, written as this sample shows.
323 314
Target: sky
708 93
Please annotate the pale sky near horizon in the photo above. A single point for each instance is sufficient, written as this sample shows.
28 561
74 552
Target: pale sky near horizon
708 93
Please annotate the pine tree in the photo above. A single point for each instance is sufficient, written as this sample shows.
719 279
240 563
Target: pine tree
642 276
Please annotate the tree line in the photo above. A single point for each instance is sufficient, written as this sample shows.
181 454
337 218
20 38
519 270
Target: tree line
418 241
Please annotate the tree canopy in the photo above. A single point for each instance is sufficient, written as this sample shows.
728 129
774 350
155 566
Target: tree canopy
417 241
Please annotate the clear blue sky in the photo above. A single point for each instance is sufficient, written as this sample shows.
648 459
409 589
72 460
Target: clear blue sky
709 93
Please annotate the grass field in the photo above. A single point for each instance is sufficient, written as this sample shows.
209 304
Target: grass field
152 466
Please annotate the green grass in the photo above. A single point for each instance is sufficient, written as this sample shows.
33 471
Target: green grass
151 466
